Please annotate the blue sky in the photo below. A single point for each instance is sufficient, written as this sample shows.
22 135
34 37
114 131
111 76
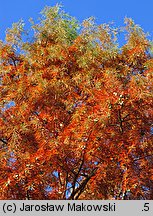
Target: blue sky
104 11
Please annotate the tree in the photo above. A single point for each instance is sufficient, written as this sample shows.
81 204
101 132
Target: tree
76 111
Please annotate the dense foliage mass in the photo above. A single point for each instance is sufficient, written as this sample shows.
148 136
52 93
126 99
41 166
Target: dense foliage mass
76 111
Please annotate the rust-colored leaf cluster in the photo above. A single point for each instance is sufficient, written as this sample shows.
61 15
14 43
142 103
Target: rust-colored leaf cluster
76 111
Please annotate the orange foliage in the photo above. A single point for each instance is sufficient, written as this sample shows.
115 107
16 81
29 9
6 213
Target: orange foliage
80 126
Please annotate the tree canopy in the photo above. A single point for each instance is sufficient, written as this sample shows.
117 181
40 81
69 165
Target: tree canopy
76 110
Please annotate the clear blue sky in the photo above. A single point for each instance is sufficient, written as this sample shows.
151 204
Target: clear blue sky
104 11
